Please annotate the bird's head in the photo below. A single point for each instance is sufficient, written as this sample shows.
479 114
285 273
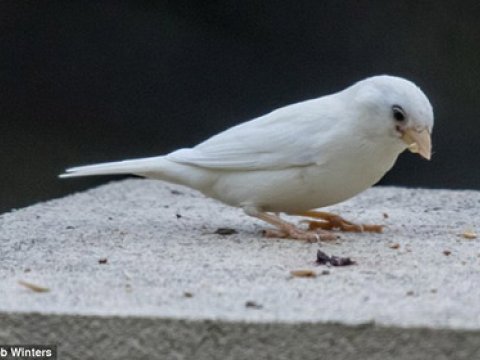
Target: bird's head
395 110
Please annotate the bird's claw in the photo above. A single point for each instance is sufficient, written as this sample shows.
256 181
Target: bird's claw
298 234
337 222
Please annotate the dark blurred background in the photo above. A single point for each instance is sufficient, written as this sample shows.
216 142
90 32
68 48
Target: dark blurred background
92 81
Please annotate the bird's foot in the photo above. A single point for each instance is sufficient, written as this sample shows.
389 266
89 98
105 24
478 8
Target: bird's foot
295 233
331 221
287 230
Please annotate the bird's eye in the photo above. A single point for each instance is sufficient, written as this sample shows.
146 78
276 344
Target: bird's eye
398 113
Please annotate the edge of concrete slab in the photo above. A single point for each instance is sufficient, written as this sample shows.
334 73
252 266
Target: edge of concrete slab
132 337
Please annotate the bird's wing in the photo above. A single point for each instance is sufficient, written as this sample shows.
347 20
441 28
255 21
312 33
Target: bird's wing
290 136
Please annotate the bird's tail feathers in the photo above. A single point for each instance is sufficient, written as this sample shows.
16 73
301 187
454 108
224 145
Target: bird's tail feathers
136 166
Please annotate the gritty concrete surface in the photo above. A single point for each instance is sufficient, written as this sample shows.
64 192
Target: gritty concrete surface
172 288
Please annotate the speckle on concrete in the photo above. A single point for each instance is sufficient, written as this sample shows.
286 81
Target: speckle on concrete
127 253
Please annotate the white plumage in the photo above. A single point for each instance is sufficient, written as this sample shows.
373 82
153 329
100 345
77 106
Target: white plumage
300 157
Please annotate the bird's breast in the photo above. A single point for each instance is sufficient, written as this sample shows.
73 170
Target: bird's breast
349 172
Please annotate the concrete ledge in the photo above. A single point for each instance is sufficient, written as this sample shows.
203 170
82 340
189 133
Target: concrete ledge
91 337
171 288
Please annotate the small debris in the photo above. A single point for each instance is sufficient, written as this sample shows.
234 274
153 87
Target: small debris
447 252
410 293
187 294
69 227
324 259
225 231
176 192
325 272
385 216
178 216
102 261
394 246
433 291
27 270
469 235
33 287
303 273
341 261
253 305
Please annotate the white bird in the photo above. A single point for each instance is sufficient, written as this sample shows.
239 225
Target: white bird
300 157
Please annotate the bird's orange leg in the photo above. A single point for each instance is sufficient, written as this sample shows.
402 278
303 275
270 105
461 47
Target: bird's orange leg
285 229
331 221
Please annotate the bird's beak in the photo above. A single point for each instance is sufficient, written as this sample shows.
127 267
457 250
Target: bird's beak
418 142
